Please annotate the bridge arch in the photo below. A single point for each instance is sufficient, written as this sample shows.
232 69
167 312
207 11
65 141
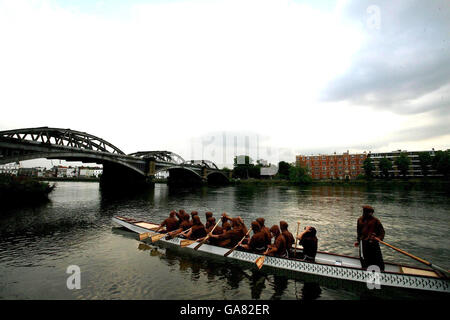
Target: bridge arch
217 177
161 156
177 168
61 137
180 175
74 156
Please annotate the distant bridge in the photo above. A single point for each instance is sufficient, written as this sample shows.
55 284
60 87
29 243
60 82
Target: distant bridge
118 167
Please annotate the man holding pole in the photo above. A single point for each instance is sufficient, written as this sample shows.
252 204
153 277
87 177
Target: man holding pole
368 229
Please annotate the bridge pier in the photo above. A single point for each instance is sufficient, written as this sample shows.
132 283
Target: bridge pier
118 176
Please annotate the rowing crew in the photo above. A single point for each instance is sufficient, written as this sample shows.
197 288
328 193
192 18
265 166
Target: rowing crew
233 232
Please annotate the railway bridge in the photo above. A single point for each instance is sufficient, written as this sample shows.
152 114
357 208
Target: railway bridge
118 167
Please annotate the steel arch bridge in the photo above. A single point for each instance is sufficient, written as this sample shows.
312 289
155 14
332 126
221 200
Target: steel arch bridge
66 144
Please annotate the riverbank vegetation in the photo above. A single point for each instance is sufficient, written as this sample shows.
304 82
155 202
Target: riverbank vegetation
244 171
18 190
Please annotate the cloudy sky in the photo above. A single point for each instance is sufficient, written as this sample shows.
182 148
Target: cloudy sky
209 79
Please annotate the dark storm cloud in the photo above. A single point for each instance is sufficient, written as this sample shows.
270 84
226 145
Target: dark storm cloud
404 66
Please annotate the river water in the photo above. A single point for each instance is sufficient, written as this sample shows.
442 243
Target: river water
37 244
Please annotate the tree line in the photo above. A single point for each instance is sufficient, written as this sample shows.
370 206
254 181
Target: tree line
244 168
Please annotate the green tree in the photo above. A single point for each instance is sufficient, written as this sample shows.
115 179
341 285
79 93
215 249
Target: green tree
385 165
283 169
441 162
369 167
403 162
299 175
425 162
244 168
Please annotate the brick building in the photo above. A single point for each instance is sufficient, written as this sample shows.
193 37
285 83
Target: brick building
342 166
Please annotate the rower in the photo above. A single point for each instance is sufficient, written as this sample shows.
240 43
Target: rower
184 225
258 242
208 215
367 228
225 218
171 223
288 236
240 223
308 240
218 230
231 237
226 226
211 223
265 229
194 213
198 229
279 246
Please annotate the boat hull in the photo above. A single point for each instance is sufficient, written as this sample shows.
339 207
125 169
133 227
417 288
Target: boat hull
326 265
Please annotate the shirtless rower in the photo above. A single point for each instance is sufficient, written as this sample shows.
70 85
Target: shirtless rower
279 246
197 230
171 223
258 242
231 237
288 236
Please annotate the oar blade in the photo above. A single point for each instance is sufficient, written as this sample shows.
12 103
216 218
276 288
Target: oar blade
185 243
158 237
143 236
260 261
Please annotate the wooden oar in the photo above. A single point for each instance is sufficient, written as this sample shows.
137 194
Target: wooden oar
145 235
207 237
260 261
172 235
162 235
186 242
159 236
239 243
296 239
435 267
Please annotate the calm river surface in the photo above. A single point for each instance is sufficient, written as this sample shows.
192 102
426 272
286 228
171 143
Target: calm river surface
37 244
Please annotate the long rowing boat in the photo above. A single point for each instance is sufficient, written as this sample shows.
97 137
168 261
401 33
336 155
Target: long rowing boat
326 264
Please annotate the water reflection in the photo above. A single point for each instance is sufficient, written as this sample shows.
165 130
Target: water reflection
233 274
311 291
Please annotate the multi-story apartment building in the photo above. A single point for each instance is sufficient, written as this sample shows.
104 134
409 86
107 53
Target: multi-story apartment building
335 166
10 168
414 168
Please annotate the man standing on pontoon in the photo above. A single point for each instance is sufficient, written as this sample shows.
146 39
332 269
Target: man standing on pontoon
367 228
